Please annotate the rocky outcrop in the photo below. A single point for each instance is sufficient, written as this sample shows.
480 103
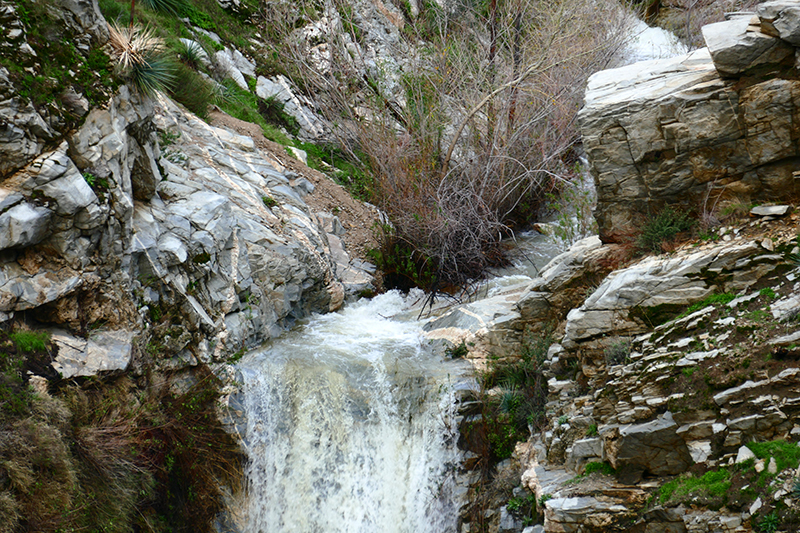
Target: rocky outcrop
687 131
145 229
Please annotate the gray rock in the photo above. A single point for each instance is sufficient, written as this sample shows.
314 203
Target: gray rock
70 192
736 47
654 447
574 515
770 210
24 225
104 351
781 18
664 132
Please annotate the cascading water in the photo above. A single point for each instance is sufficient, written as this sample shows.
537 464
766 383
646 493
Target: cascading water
350 427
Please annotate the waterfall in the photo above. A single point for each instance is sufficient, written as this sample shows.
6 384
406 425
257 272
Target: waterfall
351 427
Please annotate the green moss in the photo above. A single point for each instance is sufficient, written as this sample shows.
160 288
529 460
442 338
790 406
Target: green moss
714 299
786 454
713 484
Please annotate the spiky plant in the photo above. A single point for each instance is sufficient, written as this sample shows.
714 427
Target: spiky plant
139 55
192 54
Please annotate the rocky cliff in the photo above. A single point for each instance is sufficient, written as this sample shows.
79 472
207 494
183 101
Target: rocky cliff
673 384
144 221
698 130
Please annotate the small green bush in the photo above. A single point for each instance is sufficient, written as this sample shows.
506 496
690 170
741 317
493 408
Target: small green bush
192 90
618 352
597 466
770 523
663 228
457 351
269 202
30 341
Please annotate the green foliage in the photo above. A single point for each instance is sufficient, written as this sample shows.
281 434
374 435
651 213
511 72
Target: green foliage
30 341
273 112
155 74
786 454
402 265
244 105
457 351
592 430
597 466
768 293
714 299
770 523
522 397
711 484
663 228
172 7
269 202
796 488
192 90
618 352
349 170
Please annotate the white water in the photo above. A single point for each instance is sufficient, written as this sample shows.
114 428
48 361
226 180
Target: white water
351 427
648 43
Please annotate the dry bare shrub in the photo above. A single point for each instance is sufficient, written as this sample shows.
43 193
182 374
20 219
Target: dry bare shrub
37 468
478 123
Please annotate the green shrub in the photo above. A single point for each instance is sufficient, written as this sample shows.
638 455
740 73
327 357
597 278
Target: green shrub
597 466
618 352
457 351
269 202
663 228
770 523
521 401
192 90
29 341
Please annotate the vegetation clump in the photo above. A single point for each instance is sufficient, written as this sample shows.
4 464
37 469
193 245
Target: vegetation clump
662 228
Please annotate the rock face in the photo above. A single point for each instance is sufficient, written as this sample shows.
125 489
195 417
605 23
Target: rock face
147 221
689 130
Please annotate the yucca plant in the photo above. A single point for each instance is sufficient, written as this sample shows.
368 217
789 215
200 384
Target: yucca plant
140 58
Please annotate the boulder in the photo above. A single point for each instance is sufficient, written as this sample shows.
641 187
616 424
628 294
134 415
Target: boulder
103 351
737 46
653 447
781 18
24 225
675 131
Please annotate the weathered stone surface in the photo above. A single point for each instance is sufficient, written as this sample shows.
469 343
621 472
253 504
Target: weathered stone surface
737 47
781 18
653 282
23 225
104 351
672 131
654 447
311 125
770 210
583 514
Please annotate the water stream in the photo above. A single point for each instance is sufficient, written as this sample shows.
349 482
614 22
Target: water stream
351 426
350 420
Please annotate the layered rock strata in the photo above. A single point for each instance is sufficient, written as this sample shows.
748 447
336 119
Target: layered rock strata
717 123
